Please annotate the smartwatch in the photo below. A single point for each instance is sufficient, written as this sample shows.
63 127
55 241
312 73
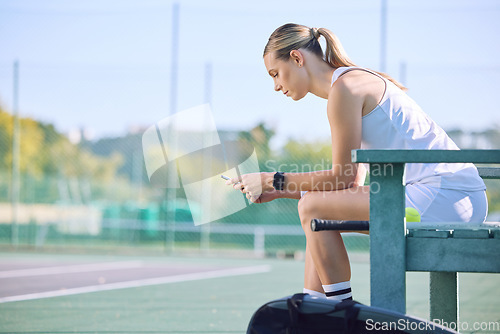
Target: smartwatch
279 181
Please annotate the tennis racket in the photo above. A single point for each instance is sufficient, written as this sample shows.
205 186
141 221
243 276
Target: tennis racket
339 225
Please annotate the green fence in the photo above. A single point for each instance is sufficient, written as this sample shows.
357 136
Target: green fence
269 229
97 195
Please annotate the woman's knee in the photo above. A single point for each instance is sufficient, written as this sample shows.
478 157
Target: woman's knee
307 208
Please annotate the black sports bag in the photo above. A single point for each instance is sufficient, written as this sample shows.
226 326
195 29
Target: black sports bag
302 313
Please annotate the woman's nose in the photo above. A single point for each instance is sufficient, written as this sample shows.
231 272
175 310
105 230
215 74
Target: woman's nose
277 87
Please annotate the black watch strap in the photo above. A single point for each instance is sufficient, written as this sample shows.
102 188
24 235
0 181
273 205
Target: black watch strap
279 181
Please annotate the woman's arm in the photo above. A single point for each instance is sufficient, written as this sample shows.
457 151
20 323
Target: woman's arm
271 195
345 104
361 176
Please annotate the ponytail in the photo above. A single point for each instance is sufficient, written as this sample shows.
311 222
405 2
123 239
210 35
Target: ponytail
294 36
335 54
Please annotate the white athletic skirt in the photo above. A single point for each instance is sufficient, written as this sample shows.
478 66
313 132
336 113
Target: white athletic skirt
447 205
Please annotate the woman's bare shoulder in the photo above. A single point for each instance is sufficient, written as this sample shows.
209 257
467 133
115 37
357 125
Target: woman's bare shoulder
358 85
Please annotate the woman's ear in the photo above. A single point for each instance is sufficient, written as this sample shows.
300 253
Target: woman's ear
297 57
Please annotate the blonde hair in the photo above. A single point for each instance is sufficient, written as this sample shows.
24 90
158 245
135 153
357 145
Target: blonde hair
293 36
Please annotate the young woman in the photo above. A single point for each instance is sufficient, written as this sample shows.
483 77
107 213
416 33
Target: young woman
366 109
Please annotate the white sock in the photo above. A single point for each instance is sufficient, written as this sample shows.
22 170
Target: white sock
338 291
314 293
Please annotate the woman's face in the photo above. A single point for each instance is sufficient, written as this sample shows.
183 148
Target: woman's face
289 76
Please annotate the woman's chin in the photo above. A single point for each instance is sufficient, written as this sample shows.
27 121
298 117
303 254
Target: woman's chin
297 98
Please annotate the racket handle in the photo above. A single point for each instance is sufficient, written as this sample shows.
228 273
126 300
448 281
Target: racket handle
339 225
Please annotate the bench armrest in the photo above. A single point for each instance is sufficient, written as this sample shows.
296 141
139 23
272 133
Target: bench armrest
426 156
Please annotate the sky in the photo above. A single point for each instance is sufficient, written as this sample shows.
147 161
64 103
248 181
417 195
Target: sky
105 65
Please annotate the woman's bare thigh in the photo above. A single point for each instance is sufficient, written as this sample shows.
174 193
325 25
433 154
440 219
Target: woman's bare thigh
346 204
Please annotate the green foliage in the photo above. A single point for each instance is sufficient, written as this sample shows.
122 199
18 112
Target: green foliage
297 157
30 144
114 170
48 158
129 150
259 137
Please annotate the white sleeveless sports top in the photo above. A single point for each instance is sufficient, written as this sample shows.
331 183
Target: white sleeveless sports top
397 122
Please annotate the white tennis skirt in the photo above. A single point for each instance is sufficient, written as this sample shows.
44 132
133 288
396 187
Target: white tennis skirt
447 205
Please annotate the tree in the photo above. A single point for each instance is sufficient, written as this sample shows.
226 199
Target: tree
47 157
297 157
30 146
259 137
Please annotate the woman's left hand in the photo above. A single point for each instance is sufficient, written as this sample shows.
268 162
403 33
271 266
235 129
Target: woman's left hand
253 185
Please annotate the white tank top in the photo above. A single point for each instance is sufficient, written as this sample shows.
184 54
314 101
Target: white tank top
397 122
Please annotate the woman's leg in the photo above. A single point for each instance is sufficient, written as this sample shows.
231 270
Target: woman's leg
311 278
326 248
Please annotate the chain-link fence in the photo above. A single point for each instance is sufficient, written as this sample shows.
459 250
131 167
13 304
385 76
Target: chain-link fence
98 195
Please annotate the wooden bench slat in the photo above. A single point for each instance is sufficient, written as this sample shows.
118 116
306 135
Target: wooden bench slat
452 226
489 172
471 234
431 234
453 254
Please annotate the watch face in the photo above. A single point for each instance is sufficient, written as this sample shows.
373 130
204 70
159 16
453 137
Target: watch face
279 181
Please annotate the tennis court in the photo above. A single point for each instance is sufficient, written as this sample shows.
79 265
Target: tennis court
56 293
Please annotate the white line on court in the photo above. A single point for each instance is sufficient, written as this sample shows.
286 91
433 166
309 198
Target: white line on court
80 268
141 283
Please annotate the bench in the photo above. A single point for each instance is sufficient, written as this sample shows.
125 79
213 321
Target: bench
443 249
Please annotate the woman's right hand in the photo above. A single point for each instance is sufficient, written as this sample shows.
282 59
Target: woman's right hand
267 196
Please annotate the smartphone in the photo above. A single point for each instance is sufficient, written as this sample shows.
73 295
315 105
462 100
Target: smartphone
228 178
